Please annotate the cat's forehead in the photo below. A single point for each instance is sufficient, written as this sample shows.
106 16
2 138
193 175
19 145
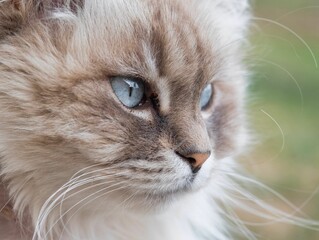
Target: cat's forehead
152 39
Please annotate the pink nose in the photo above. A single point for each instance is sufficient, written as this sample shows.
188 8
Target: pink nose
197 159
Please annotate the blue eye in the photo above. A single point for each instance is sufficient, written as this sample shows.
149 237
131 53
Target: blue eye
130 91
206 96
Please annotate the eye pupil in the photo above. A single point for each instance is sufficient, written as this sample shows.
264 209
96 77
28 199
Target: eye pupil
130 91
206 96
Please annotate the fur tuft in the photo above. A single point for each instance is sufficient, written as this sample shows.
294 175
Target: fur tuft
81 165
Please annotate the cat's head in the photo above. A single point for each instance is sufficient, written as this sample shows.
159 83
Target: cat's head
140 98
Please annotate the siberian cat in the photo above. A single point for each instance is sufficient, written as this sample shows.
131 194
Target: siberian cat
119 119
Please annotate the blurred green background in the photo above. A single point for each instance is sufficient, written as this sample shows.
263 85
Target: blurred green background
285 86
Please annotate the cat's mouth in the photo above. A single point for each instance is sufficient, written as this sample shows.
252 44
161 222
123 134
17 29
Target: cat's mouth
153 188
192 183
163 198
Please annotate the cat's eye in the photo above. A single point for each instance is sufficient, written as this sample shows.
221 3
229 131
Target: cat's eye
130 91
206 96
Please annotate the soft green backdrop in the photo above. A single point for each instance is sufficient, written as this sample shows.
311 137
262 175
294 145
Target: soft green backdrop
285 86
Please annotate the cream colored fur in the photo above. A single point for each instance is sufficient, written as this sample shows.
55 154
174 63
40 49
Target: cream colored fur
50 136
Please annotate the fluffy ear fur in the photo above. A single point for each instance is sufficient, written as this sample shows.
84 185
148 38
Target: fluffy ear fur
12 17
14 14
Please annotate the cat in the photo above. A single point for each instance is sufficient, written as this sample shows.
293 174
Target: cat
120 119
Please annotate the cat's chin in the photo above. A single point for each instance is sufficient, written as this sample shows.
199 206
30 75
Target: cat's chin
156 203
159 201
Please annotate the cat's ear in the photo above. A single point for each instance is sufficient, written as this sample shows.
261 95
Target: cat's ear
14 14
231 17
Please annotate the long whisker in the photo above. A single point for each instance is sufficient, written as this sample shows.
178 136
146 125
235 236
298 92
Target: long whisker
38 232
242 228
74 186
91 200
12 197
290 75
281 131
267 211
72 183
296 10
55 203
82 190
264 187
86 198
49 208
292 32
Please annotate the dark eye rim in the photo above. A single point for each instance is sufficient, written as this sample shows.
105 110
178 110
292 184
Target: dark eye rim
211 100
145 102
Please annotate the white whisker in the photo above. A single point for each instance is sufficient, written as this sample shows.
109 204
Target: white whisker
16 193
290 75
53 225
292 32
297 10
86 198
248 202
281 131
231 215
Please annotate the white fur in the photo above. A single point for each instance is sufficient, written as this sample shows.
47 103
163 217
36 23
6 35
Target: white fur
87 206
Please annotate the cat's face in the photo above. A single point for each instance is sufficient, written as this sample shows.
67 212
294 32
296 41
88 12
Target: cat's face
66 101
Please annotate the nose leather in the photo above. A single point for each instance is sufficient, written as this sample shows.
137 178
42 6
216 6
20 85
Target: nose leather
199 159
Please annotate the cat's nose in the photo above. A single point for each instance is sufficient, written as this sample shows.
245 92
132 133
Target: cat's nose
196 160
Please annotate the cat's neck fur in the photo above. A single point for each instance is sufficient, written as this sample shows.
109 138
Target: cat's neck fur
59 114
178 222
192 217
10 227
